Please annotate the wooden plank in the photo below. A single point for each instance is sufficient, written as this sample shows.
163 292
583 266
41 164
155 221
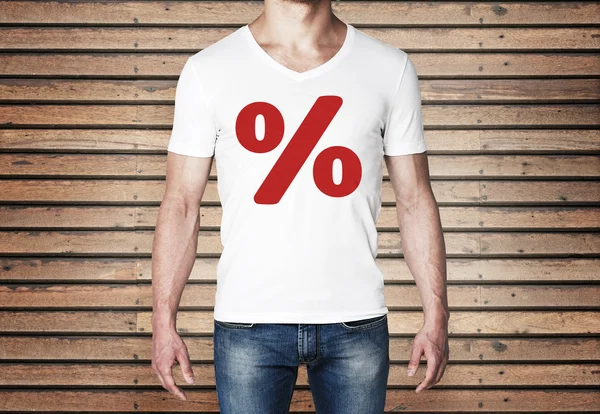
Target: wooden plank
112 297
521 140
150 39
537 192
103 91
94 243
125 296
535 296
459 218
105 191
69 321
440 166
359 13
522 218
134 243
443 65
16 90
108 64
101 164
94 269
139 348
74 217
105 348
532 244
74 115
561 141
438 116
437 400
141 375
523 322
451 192
508 90
549 270
116 140
409 323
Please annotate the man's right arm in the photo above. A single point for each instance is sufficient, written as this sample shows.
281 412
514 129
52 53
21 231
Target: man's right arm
173 256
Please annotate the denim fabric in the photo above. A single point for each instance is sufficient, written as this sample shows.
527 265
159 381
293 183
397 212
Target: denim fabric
256 365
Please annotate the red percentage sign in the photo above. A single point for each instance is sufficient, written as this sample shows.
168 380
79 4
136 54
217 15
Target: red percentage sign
299 148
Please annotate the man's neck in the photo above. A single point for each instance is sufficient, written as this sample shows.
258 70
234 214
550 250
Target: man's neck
298 26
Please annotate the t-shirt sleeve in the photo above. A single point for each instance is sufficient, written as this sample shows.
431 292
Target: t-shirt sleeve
403 133
194 132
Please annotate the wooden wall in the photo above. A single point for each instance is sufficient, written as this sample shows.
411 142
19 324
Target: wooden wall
510 94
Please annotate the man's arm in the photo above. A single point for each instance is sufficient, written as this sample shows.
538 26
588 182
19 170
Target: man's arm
425 255
173 255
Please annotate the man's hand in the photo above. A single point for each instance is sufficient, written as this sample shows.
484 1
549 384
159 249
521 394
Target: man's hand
431 340
168 347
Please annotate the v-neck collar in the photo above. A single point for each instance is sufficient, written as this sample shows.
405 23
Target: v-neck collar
299 76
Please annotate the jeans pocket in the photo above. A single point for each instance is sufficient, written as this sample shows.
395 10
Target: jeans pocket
365 323
234 325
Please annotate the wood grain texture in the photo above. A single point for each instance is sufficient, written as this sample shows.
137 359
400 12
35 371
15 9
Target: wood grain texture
16 90
121 296
458 244
439 64
132 270
440 166
122 322
496 192
101 12
137 375
146 39
510 94
161 116
438 400
453 218
89 348
465 141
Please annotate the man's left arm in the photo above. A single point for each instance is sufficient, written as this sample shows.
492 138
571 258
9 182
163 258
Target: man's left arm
425 254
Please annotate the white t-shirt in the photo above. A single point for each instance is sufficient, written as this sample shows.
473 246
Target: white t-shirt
299 160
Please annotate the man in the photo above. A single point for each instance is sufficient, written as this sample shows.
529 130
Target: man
299 108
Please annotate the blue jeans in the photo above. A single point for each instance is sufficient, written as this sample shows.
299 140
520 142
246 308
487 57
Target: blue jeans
256 365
